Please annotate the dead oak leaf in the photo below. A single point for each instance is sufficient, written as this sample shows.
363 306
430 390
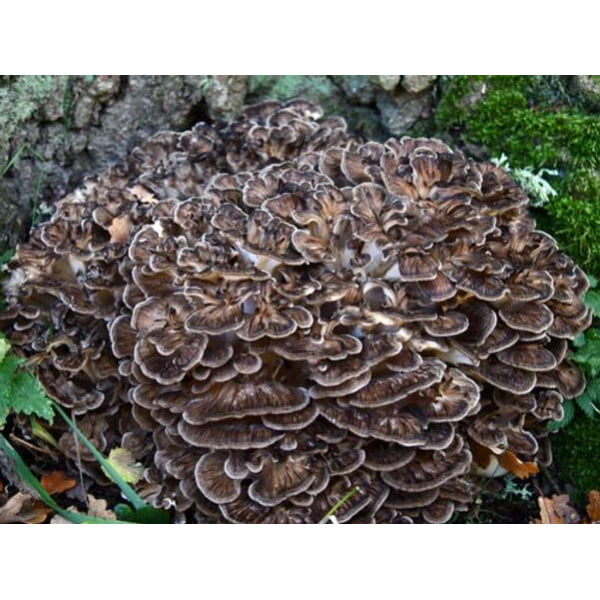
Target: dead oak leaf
513 464
593 506
96 508
57 482
556 511
22 508
9 512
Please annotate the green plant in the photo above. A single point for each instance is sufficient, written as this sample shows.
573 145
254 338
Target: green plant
514 488
533 121
540 192
35 488
20 391
36 212
138 512
330 516
587 356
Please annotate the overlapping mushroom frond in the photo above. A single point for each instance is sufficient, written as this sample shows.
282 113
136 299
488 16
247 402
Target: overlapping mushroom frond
269 313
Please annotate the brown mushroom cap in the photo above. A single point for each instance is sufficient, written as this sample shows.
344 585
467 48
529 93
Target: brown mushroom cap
429 470
212 480
531 357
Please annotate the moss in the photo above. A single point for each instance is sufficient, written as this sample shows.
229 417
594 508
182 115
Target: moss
286 87
535 123
576 228
524 117
576 452
20 99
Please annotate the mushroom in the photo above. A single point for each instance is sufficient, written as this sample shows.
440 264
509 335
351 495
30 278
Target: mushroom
279 319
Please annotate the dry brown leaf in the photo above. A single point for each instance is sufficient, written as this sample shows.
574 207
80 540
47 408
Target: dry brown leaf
99 508
96 508
593 506
38 513
57 482
119 229
548 515
562 507
9 512
556 511
143 195
22 508
513 464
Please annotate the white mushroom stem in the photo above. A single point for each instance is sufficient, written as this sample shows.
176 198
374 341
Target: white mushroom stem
264 263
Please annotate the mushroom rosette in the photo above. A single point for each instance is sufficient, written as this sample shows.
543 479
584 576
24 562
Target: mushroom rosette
270 314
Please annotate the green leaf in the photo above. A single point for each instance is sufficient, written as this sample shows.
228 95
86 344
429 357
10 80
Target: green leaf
591 395
4 348
592 299
569 413
114 475
123 462
6 256
7 370
29 396
148 515
587 406
593 281
588 355
20 391
35 488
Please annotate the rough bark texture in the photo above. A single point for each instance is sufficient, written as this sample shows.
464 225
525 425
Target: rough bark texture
55 130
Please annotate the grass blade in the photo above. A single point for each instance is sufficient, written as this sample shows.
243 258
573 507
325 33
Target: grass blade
127 490
355 490
38 490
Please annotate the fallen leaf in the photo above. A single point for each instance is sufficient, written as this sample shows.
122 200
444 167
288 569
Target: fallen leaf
125 464
119 229
22 508
568 514
143 195
556 511
96 508
38 513
593 506
548 515
10 510
57 482
513 464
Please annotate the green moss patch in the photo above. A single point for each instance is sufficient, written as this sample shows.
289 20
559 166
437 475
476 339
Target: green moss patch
536 124
576 452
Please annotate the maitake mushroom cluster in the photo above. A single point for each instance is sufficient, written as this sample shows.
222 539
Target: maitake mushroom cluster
270 313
